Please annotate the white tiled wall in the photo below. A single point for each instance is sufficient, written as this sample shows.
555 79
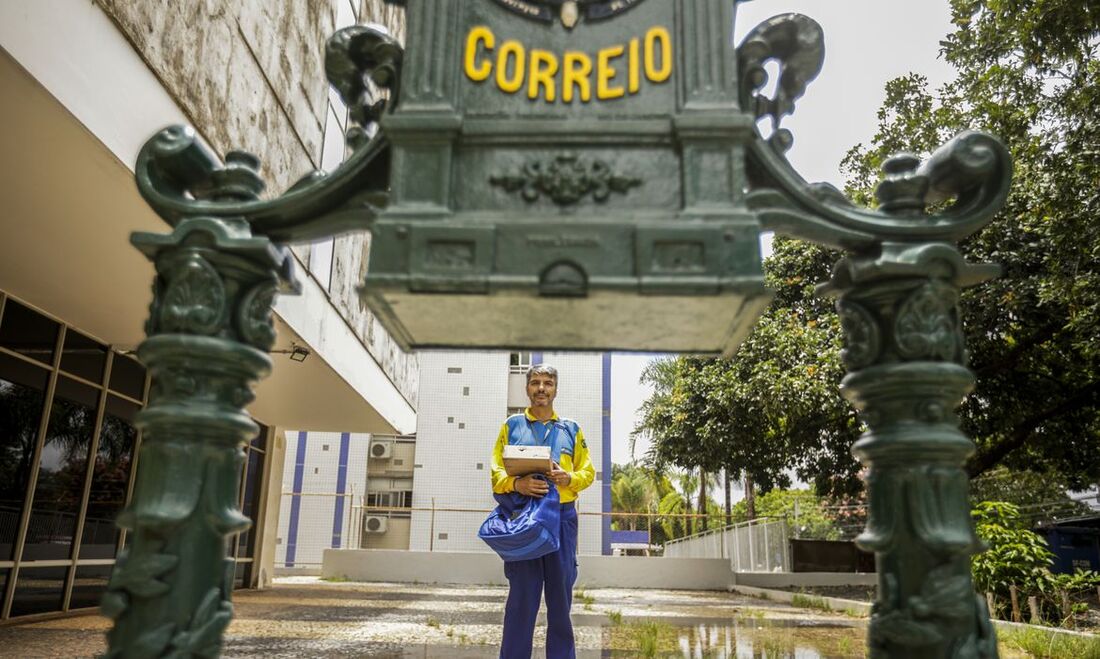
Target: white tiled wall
463 402
320 469
580 397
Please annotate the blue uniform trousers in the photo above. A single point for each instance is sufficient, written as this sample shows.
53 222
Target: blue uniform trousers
556 574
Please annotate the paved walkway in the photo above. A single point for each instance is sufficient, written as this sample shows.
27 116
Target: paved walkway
306 617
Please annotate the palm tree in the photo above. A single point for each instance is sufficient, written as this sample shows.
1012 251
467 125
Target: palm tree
632 492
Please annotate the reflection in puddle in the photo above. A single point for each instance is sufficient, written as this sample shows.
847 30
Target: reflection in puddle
741 639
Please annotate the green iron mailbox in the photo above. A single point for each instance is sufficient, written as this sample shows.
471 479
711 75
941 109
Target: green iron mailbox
574 174
568 175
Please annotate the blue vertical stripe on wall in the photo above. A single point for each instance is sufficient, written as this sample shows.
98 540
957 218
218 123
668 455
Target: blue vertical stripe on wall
296 501
341 486
605 484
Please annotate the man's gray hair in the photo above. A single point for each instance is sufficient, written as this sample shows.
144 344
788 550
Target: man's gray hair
542 369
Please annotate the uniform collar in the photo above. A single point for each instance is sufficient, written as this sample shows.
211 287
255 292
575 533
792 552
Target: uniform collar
531 417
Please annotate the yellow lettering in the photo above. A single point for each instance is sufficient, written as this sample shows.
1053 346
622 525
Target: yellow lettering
605 73
634 77
544 66
577 73
655 35
515 51
479 35
543 73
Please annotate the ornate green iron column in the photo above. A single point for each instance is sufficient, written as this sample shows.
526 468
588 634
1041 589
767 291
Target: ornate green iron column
209 330
898 290
905 350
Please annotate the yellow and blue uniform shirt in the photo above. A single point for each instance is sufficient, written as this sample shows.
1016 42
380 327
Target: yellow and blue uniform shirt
525 430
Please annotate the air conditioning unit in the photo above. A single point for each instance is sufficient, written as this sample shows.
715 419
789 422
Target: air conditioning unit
375 524
381 450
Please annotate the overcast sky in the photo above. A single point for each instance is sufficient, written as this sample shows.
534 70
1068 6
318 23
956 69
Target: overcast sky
868 42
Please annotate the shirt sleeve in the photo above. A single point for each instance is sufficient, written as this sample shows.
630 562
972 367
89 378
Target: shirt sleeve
502 482
583 472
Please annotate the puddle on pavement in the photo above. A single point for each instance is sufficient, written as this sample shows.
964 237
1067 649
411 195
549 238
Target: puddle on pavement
751 639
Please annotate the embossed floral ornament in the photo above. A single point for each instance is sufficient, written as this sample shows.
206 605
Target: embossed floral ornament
566 180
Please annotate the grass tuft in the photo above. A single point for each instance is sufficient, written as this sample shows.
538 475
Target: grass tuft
805 601
1038 642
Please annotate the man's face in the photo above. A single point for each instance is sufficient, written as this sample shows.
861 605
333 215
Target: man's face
542 389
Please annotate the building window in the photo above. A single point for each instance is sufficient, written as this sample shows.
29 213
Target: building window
519 362
516 410
384 503
84 469
454 369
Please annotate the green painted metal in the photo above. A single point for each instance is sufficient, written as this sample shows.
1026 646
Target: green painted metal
629 221
611 211
208 332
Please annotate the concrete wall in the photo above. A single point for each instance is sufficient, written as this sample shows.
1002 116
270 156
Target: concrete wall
395 537
316 465
487 569
804 579
249 74
464 398
268 523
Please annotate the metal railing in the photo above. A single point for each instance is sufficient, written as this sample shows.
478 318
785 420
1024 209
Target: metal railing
314 529
759 545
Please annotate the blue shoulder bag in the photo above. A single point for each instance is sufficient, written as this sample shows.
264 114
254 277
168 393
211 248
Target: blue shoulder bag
521 527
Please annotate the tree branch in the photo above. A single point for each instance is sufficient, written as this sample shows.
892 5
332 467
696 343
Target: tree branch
985 461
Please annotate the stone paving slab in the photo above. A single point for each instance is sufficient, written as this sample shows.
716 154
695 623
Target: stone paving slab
307 617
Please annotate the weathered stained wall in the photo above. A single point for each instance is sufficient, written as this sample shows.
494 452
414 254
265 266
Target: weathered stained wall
250 75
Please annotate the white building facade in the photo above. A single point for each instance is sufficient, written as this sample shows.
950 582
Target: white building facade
82 86
464 398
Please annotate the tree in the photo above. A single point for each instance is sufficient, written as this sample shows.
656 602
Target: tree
627 498
803 509
632 491
1040 497
767 410
1027 71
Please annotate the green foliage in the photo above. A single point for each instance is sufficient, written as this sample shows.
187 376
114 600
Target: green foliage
761 413
814 520
1041 497
632 491
803 601
648 635
1039 642
639 489
1028 72
1016 556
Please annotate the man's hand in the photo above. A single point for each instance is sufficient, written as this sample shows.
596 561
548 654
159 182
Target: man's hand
532 487
559 476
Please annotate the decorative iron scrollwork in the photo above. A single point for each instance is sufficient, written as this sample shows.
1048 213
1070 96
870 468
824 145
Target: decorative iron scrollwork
862 340
195 298
357 58
927 325
797 43
254 315
566 180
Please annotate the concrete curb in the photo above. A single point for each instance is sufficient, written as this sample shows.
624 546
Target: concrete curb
864 608
832 603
